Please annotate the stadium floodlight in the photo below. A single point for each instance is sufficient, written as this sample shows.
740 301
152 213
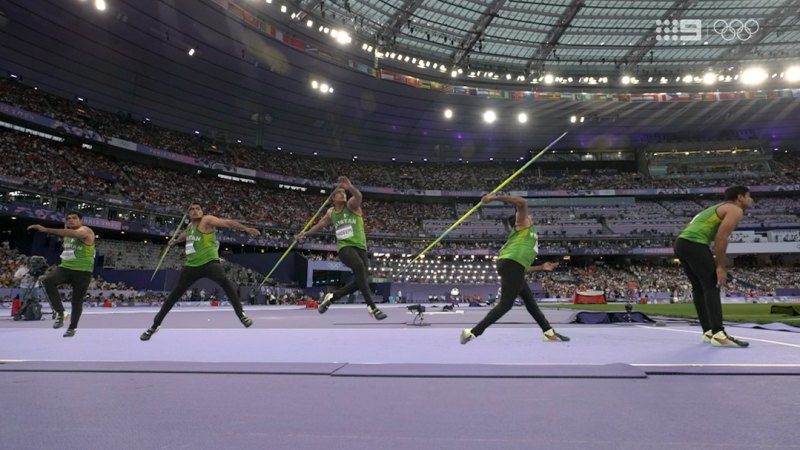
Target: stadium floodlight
754 75
792 73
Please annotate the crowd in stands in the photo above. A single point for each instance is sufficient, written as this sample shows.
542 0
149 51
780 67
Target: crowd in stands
46 165
10 264
417 176
50 166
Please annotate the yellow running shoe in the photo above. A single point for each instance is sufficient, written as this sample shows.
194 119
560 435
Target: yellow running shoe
466 335
722 339
551 336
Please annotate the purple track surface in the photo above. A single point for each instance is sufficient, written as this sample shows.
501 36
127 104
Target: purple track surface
341 380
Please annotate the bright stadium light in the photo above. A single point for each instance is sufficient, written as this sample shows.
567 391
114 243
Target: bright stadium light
343 37
754 75
709 78
792 73
489 116
522 117
448 113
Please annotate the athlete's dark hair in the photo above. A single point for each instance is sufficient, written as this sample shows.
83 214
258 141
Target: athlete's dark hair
733 192
74 213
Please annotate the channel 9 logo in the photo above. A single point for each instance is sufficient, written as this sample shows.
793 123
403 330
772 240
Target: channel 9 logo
692 29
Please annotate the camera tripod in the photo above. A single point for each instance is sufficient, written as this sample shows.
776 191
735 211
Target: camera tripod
31 307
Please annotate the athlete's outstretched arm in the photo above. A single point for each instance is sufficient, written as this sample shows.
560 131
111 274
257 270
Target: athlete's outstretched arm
216 222
322 223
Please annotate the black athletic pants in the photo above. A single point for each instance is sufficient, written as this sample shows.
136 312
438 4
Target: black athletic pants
79 281
211 270
698 263
513 285
356 259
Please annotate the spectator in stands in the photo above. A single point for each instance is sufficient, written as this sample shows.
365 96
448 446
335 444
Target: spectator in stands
202 261
714 223
77 264
514 260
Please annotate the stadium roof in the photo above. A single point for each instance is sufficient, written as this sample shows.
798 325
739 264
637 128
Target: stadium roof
251 72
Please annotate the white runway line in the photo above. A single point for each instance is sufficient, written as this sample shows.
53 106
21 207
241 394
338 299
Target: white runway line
697 332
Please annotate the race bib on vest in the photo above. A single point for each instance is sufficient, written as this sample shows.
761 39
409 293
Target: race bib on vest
344 232
68 254
189 248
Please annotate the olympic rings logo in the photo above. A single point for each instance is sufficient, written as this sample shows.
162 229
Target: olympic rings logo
735 29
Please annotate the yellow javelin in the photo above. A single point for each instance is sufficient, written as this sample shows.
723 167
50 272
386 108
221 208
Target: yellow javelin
475 208
166 250
308 224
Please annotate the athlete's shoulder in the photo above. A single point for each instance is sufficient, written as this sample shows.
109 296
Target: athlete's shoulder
207 224
357 211
86 230
726 209
87 235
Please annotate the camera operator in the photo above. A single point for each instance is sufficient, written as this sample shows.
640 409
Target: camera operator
77 264
25 275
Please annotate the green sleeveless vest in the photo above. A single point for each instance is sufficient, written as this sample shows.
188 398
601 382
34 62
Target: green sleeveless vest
522 246
703 227
349 229
201 248
77 255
